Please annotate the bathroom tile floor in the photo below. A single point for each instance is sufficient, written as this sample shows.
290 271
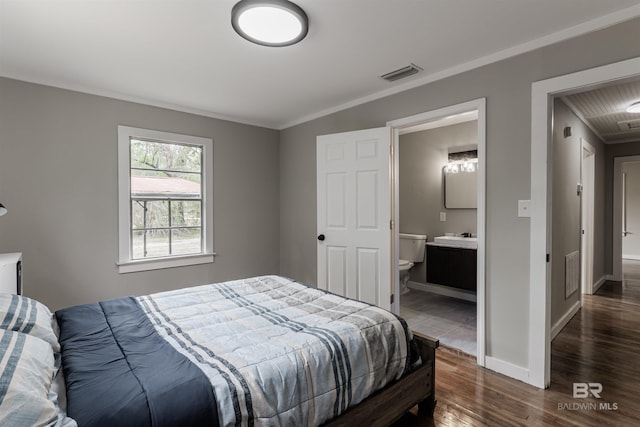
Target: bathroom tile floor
451 320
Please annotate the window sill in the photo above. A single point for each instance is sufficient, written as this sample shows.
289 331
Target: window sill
160 263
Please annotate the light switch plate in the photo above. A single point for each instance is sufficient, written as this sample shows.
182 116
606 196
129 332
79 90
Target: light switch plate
524 208
443 216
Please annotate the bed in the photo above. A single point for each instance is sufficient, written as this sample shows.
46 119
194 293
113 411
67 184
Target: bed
259 351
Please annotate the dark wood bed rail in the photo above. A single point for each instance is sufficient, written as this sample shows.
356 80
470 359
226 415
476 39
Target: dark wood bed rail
386 406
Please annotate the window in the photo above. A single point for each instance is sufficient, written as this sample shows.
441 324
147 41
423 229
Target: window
165 210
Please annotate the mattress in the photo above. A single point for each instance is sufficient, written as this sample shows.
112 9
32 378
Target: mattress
258 351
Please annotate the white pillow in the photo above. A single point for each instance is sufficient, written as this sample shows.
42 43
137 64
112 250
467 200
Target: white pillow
22 314
27 371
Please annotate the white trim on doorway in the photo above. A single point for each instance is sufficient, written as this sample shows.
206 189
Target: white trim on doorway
540 234
618 200
587 212
397 125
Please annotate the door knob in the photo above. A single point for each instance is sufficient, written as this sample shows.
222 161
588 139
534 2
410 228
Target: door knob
321 237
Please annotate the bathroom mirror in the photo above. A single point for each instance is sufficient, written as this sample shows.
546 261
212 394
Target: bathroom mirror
460 189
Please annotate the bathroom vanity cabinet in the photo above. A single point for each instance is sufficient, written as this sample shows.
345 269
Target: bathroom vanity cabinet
450 266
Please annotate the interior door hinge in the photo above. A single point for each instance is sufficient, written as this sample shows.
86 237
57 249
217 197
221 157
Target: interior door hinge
548 257
391 224
391 299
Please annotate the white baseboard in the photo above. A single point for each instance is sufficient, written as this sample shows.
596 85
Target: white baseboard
506 368
443 290
631 256
555 330
601 281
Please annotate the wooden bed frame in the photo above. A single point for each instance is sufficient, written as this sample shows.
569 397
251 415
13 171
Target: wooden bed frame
386 406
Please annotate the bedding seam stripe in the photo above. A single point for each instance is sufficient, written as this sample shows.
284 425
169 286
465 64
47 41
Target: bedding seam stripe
12 363
347 394
334 345
225 363
10 313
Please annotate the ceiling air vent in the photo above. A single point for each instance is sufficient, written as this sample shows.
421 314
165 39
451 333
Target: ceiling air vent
629 124
401 73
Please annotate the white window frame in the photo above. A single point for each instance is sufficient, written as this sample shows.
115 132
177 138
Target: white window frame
126 264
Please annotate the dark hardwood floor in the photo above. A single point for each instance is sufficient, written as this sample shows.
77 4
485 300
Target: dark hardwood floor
601 344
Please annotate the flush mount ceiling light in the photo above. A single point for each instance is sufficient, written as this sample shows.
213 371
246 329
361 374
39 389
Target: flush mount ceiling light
634 108
270 22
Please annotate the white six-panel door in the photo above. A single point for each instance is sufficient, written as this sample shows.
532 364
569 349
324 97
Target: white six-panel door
354 213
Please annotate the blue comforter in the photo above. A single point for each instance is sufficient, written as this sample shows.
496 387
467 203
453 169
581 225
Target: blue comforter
120 372
273 353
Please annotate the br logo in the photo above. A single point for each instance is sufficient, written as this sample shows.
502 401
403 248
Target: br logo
584 390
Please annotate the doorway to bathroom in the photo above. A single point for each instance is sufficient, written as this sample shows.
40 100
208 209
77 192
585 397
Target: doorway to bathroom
439 195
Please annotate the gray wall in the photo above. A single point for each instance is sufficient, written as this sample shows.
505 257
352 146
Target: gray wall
507 87
58 178
422 156
567 155
631 243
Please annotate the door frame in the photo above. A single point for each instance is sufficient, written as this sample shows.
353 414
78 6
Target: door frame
398 124
542 93
587 211
617 212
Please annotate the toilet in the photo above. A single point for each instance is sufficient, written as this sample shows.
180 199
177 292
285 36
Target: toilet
411 251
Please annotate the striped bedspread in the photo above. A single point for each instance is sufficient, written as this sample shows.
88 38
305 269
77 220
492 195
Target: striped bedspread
278 352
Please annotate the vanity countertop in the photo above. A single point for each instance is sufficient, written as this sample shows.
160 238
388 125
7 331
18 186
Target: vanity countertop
455 242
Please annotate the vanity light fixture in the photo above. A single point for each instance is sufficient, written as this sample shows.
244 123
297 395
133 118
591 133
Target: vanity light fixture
270 22
455 166
464 161
452 167
634 108
469 166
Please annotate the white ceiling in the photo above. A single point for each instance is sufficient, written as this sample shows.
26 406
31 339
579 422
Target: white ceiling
183 54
